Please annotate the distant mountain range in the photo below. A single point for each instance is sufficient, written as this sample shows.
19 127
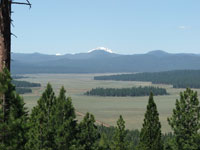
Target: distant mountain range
102 61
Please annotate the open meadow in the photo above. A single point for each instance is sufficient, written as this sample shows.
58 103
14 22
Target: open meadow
105 109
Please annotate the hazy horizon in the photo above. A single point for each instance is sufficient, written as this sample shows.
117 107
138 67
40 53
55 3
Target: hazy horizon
58 54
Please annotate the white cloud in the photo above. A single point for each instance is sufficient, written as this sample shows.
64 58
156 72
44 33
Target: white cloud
183 27
101 48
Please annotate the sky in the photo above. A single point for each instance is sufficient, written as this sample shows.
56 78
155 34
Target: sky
124 26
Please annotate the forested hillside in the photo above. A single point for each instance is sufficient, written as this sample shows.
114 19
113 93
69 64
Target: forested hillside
178 78
99 61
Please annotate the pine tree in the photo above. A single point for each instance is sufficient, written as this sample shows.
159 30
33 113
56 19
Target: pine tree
169 145
65 123
13 115
150 136
42 130
185 121
120 134
104 143
88 134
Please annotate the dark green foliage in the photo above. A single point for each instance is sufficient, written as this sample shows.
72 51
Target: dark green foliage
41 133
104 142
119 142
108 131
132 136
185 121
134 91
23 90
13 116
23 87
132 139
52 123
150 136
178 78
25 84
65 123
167 140
88 134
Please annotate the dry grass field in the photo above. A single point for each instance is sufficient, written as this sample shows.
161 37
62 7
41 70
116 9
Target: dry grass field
105 109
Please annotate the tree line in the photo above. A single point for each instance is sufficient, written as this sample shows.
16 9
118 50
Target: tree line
23 90
52 124
132 137
18 77
177 78
23 87
25 84
134 91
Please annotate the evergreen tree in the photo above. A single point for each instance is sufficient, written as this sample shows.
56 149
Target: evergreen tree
42 130
150 136
65 123
185 121
13 115
104 142
168 145
120 134
88 134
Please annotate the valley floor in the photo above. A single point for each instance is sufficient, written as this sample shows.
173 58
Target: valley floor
105 109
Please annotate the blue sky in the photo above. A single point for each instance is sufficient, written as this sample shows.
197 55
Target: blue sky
125 26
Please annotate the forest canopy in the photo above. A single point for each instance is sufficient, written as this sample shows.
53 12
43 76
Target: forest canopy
177 78
134 91
23 87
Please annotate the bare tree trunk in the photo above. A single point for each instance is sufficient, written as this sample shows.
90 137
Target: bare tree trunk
5 46
5 34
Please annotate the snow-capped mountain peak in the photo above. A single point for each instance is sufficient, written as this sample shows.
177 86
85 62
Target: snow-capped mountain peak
58 54
101 48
